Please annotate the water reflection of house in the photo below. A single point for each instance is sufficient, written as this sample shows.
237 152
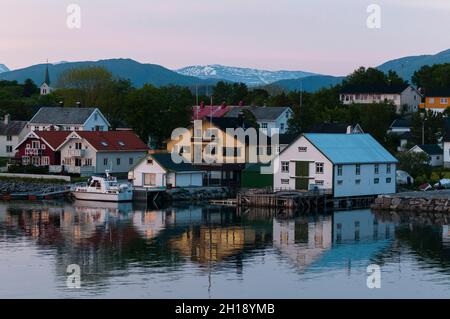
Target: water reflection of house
151 223
359 225
303 240
446 235
208 243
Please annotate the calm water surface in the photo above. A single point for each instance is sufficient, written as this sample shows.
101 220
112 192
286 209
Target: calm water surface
212 252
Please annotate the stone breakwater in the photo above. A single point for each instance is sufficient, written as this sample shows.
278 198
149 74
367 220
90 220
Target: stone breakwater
197 194
415 202
20 187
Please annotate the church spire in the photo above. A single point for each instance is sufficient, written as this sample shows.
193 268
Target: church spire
47 75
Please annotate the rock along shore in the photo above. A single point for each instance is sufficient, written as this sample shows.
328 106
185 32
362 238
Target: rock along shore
21 187
436 201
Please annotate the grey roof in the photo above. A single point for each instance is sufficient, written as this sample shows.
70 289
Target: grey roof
62 115
431 149
404 123
165 160
260 112
12 128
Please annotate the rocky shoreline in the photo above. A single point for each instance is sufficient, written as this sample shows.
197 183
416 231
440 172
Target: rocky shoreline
21 187
417 203
197 194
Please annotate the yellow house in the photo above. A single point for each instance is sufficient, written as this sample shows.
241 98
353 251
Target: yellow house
228 157
436 101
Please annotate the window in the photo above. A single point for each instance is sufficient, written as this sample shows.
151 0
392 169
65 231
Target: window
118 161
437 157
121 143
130 161
376 181
28 146
357 181
444 100
339 170
78 146
302 149
319 168
284 181
88 162
340 182
234 151
43 146
9 148
431 100
388 180
377 168
388 168
263 125
105 161
45 160
149 179
9 138
319 182
358 169
150 161
104 143
95 116
25 160
284 167
35 144
282 127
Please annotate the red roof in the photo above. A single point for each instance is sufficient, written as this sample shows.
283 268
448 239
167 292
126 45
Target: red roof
199 112
113 140
53 138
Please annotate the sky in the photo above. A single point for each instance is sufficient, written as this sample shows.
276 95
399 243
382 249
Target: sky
323 36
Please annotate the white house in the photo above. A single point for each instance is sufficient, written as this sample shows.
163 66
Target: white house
90 152
11 132
405 97
267 117
68 119
348 164
434 151
159 171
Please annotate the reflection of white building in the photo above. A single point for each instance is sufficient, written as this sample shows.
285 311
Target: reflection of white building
359 225
446 235
151 223
302 241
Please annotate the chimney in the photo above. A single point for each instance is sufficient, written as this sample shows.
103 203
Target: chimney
6 119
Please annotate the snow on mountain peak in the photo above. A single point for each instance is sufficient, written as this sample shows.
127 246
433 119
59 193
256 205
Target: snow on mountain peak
251 77
3 68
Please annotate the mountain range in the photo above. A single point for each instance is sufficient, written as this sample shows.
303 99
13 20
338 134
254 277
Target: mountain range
138 73
141 73
251 77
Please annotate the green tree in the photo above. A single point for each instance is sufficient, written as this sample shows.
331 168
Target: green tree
433 78
430 124
415 163
29 88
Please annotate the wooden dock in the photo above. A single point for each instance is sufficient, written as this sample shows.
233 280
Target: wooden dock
291 200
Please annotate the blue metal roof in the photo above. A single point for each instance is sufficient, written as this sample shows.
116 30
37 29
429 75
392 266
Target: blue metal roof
350 148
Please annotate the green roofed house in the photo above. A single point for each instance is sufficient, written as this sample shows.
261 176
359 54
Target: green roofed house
349 165
159 171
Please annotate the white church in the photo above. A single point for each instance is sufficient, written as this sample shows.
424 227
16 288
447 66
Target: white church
45 87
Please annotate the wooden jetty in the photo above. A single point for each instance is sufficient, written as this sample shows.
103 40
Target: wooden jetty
291 200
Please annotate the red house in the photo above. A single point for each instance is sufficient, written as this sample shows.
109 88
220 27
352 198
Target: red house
39 148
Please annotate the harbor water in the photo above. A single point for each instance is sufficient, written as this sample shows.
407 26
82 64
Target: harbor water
218 252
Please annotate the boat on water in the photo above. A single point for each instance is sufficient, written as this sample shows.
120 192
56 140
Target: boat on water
105 189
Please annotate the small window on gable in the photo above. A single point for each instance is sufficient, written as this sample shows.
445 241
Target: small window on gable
43 146
302 148
150 161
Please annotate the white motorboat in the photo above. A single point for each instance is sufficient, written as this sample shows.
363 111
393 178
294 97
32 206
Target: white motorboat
105 189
